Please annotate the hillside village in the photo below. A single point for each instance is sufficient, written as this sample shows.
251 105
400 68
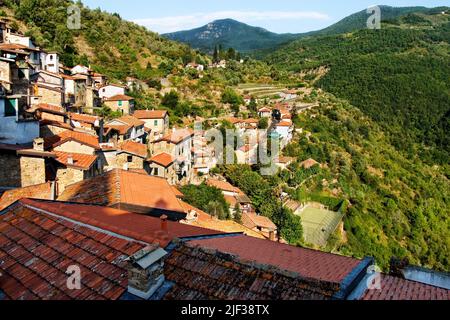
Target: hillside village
113 187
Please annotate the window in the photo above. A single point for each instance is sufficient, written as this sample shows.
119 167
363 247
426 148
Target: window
120 103
156 172
129 159
156 122
10 108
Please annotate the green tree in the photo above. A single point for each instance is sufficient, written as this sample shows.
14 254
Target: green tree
170 100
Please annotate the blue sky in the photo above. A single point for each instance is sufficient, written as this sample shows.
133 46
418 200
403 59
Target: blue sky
280 16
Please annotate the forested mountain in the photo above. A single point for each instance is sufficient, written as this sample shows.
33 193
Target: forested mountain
397 75
358 21
230 33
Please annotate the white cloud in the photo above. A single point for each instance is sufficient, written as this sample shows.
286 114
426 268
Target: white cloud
176 23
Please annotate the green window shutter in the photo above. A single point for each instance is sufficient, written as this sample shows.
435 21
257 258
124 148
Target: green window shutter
10 108
120 103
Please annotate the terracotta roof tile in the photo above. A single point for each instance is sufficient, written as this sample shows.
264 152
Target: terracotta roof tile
83 118
83 138
177 136
393 288
222 185
308 263
40 191
202 274
284 124
252 220
150 114
120 97
128 224
37 247
125 189
130 120
135 148
121 129
163 159
80 161
47 108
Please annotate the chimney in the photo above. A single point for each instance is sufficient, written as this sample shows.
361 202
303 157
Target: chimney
272 236
54 190
70 159
38 144
146 271
164 223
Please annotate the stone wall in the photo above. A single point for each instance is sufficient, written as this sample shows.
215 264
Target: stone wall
52 117
50 96
32 171
10 171
136 163
68 176
49 131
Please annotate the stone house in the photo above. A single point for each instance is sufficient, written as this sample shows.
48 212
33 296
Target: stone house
234 196
78 157
44 111
22 167
163 165
128 127
122 103
260 224
179 144
128 155
155 120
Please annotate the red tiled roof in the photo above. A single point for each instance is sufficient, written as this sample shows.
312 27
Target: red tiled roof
119 97
84 118
252 220
222 185
163 159
150 114
121 129
125 189
40 191
135 148
80 161
308 263
128 224
200 274
265 109
83 138
177 136
48 108
37 247
58 124
114 85
130 120
284 124
393 288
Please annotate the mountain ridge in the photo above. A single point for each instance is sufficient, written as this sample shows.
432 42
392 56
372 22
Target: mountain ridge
239 33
